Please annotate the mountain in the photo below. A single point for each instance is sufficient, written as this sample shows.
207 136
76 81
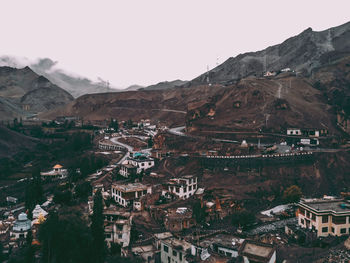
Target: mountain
166 85
134 87
74 84
159 86
302 53
316 96
167 106
24 93
12 142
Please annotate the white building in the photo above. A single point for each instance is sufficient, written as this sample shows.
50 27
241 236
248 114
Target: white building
127 169
130 194
218 244
294 131
325 216
21 226
254 252
57 172
183 187
174 250
141 163
117 227
39 214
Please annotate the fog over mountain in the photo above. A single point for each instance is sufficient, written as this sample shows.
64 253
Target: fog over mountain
71 82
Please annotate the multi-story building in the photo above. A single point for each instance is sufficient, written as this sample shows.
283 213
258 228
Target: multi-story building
117 227
141 163
257 252
183 187
127 170
174 250
325 216
130 194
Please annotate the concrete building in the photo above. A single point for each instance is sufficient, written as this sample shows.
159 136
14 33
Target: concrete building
174 250
129 194
21 226
216 245
39 215
294 131
325 216
117 227
183 187
127 169
178 219
57 172
141 163
107 145
257 252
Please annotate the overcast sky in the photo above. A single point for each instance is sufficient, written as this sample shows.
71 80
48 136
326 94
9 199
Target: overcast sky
147 41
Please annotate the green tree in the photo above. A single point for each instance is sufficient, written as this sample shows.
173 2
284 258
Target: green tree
65 237
292 194
198 212
83 190
34 192
243 218
29 250
2 256
97 229
150 142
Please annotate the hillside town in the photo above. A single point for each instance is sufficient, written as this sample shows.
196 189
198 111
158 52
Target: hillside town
154 213
184 131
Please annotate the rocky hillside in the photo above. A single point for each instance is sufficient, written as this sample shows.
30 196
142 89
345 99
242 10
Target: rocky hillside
319 98
23 93
169 106
167 85
12 142
72 83
272 104
301 53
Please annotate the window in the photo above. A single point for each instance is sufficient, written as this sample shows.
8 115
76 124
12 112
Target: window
168 259
339 220
324 219
332 229
302 221
120 236
165 248
302 211
313 217
324 229
180 256
174 253
343 231
150 164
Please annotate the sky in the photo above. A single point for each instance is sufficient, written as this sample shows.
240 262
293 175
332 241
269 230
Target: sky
147 41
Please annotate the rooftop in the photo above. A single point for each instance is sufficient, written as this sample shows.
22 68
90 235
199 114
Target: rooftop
326 205
224 240
260 252
130 187
163 235
177 244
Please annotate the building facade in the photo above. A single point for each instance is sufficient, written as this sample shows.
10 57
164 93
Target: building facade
326 217
129 194
174 250
183 187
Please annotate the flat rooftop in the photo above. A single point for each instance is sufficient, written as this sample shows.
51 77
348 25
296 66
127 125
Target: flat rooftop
177 244
224 240
130 187
259 252
325 205
163 235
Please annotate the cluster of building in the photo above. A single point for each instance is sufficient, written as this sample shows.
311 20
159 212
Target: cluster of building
14 229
